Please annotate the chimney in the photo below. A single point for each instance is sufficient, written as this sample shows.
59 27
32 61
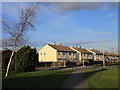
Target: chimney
80 46
60 44
54 43
91 49
76 46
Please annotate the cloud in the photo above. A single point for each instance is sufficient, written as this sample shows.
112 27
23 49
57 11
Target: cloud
1 20
56 23
87 31
12 9
77 43
35 43
61 21
63 7
109 15
94 32
75 6
60 0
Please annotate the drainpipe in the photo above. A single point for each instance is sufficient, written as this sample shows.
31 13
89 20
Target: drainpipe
83 63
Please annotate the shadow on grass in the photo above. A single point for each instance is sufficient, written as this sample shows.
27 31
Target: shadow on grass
54 80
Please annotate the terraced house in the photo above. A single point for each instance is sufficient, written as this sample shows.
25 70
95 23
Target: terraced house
56 54
98 56
83 55
59 55
112 57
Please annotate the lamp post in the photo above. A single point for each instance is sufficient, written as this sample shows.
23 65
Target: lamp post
103 53
112 55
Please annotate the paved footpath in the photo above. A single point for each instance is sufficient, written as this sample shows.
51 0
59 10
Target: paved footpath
76 80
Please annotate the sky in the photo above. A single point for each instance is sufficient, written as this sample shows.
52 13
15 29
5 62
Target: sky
73 24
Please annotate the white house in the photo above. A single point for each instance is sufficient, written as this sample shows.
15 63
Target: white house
56 53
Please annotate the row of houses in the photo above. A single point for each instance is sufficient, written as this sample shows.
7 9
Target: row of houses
59 55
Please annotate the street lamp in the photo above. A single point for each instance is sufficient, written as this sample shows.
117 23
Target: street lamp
103 53
113 54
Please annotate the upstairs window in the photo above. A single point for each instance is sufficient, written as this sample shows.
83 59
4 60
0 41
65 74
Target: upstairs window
58 53
74 53
63 53
83 54
71 53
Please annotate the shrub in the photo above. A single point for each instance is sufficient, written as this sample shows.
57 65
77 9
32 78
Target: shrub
5 59
26 59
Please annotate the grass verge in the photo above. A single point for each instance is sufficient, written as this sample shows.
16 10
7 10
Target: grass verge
37 79
102 78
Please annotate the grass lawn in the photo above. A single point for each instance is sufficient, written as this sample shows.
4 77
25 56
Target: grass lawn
37 79
102 78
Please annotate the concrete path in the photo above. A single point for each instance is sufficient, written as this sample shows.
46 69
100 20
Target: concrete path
76 80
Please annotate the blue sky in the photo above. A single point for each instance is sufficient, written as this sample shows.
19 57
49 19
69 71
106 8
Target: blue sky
70 23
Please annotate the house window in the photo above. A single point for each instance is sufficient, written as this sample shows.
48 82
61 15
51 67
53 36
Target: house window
74 53
83 54
41 53
44 53
63 53
58 53
69 53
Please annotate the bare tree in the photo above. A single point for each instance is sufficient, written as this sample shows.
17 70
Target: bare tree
18 29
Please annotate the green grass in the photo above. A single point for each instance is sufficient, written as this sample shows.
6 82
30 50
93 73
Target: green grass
37 79
102 78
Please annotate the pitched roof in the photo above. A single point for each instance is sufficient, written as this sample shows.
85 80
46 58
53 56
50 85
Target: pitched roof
107 53
118 55
112 54
61 48
97 52
82 50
